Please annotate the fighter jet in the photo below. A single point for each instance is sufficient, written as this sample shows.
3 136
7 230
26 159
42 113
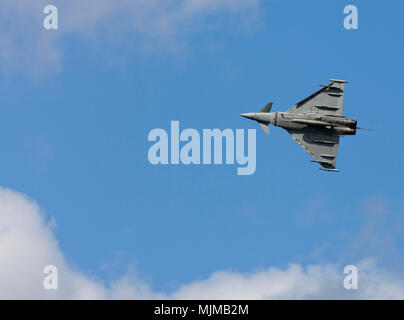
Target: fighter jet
316 123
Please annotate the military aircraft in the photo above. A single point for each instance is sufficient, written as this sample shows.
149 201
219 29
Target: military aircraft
315 123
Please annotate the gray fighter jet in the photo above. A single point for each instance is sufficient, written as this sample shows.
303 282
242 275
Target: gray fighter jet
316 123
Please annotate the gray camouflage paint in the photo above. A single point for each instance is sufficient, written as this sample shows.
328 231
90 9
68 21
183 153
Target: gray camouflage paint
315 123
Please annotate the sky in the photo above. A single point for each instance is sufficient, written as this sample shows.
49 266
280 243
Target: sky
78 191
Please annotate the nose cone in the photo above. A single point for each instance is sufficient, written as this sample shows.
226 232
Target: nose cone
248 115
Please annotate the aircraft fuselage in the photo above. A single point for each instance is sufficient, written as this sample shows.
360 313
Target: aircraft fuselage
340 125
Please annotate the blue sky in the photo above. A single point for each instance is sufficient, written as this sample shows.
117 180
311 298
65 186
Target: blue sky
75 132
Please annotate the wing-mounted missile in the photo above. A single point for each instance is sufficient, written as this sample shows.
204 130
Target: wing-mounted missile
338 81
329 169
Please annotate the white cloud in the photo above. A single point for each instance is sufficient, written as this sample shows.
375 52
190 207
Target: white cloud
28 244
296 282
25 45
